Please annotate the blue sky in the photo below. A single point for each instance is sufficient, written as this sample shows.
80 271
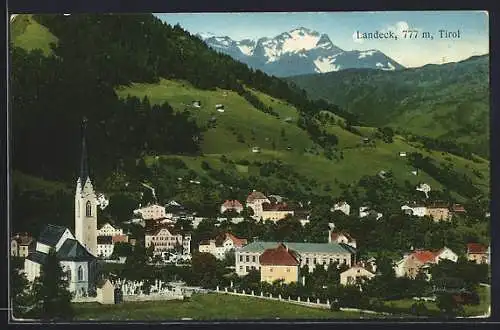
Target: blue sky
341 26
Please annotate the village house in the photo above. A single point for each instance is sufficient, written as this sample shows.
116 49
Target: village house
74 259
342 206
231 205
153 211
275 212
420 260
311 254
104 246
254 201
109 230
355 275
341 237
21 244
415 210
165 239
477 253
439 212
221 245
279 263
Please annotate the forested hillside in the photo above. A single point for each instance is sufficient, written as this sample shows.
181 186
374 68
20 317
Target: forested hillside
449 102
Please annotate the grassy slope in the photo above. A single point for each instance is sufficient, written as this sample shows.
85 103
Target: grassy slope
26 33
205 307
241 117
448 101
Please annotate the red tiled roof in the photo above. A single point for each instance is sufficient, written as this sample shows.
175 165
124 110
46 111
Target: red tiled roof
232 204
275 207
424 256
476 248
255 195
120 238
238 242
279 256
458 208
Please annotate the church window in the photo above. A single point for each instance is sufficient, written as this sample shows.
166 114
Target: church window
80 273
68 274
78 208
88 209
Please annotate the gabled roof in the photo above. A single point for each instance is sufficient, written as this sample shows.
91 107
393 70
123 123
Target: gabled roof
335 235
51 235
37 256
238 242
72 250
476 248
232 204
275 207
279 256
255 195
424 256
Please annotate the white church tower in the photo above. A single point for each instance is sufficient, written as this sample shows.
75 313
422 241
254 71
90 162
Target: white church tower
85 203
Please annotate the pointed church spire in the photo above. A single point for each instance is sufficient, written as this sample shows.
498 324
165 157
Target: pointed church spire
84 166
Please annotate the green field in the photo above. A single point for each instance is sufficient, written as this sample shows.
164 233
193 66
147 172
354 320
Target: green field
242 127
206 307
26 33
470 310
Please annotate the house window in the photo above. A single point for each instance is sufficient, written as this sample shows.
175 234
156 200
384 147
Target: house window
271 270
307 260
288 270
241 258
80 273
253 259
241 267
88 209
331 260
314 261
247 259
247 268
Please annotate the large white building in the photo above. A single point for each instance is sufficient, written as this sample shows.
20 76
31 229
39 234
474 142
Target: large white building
255 201
415 210
153 211
105 246
220 246
165 239
108 230
311 254
74 259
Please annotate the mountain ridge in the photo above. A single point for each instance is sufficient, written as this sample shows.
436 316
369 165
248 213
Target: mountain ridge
298 51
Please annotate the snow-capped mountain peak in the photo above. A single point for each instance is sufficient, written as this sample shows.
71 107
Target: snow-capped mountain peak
299 51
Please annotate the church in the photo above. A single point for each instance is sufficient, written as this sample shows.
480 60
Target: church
76 254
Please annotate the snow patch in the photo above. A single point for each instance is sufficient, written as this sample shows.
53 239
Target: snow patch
390 67
367 53
299 42
245 49
325 65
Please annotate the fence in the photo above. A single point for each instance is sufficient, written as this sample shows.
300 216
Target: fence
300 301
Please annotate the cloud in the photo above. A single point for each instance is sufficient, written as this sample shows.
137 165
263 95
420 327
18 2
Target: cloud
399 29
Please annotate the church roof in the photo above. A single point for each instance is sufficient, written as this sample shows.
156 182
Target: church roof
51 235
37 256
72 250
84 166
